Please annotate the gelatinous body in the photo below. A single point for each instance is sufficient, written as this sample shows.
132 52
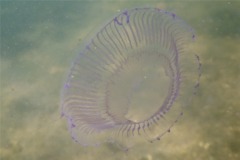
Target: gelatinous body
132 80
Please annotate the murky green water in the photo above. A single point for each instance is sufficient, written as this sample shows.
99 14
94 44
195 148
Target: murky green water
40 39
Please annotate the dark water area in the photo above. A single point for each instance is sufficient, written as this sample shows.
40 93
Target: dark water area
39 40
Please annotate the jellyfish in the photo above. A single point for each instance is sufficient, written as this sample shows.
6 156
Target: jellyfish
132 80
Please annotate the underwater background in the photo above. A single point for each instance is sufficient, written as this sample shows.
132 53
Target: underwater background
40 39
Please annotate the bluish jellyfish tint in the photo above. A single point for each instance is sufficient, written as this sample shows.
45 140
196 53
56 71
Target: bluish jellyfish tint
132 80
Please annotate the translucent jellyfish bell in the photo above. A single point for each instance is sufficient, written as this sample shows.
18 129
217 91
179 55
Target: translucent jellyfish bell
131 82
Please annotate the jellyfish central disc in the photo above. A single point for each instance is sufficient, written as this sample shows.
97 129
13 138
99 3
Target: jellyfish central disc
139 88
